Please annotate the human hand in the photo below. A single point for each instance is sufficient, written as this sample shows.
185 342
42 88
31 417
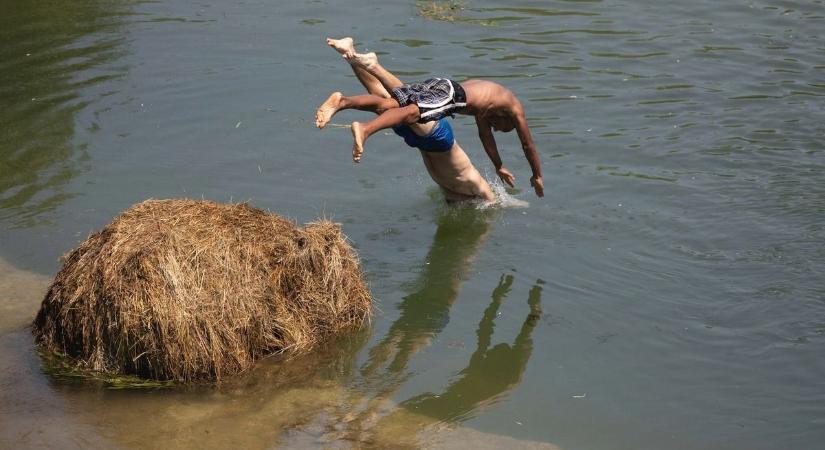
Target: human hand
506 176
538 185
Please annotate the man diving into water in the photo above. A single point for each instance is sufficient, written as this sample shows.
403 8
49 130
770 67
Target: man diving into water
447 163
405 107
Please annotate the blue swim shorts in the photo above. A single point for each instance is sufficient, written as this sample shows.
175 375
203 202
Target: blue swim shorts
440 138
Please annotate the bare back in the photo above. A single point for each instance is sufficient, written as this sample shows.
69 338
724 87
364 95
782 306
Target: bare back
488 98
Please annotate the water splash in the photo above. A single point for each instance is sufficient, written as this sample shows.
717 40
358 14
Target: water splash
503 198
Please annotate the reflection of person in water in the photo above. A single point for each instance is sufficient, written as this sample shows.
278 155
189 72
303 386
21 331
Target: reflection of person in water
491 371
426 312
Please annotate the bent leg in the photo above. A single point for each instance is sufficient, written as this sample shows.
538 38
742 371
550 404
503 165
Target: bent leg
391 117
345 47
369 81
369 61
372 75
387 119
336 102
368 67
369 102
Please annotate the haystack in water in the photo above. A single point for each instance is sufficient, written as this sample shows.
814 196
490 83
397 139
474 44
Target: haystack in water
195 290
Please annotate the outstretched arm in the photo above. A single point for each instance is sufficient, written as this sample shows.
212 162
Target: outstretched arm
485 133
529 152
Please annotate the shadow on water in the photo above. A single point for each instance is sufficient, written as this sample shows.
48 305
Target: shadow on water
50 58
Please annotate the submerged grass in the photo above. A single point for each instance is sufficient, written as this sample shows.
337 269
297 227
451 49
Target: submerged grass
447 11
190 291
61 367
451 11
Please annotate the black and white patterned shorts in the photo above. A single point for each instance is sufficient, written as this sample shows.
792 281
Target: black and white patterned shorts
436 98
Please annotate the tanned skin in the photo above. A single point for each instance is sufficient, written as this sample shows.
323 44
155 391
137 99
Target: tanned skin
494 107
452 170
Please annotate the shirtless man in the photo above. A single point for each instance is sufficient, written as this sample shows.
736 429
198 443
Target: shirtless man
444 159
494 107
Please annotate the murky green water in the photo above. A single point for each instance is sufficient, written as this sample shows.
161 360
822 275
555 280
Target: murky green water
668 292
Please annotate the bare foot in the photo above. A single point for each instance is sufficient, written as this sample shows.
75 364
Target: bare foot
358 145
327 109
343 46
367 60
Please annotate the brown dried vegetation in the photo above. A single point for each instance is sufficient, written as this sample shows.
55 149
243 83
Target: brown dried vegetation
196 291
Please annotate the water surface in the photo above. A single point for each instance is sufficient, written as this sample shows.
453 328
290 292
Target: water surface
666 293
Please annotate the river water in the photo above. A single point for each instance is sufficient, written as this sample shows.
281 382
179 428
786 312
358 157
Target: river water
668 292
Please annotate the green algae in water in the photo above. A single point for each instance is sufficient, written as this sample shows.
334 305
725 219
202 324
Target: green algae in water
61 367
447 11
450 11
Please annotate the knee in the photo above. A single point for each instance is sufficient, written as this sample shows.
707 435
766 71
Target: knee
411 114
386 104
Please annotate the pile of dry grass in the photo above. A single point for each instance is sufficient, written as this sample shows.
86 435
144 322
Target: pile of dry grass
195 290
